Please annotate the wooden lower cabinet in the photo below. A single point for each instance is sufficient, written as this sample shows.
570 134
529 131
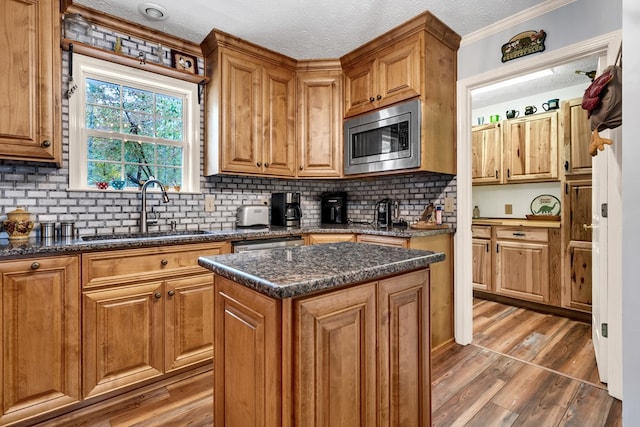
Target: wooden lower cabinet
383 240
40 324
522 264
315 239
354 356
481 250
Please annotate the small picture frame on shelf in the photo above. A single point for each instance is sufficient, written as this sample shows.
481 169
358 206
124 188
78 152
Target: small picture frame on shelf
184 62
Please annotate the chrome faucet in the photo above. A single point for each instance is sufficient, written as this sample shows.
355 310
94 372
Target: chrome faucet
144 222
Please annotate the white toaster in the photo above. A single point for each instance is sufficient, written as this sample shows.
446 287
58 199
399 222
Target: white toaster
250 215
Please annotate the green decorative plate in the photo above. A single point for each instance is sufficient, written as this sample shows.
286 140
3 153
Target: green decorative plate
545 204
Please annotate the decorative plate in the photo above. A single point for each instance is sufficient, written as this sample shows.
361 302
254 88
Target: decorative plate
545 204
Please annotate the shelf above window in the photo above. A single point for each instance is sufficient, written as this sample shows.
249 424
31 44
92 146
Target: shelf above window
131 61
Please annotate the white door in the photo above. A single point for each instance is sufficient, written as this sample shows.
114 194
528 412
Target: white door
599 264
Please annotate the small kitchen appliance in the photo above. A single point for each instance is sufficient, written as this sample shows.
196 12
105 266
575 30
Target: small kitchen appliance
252 215
383 212
285 209
333 208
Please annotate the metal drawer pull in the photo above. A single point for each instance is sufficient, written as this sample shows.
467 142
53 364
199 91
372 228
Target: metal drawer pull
35 266
164 262
519 234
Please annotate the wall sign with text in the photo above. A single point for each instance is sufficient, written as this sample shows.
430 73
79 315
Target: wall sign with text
523 44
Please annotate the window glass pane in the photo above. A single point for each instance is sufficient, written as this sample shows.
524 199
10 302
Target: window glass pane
138 173
103 172
104 149
169 155
168 106
169 129
170 176
103 118
139 152
102 93
137 100
137 123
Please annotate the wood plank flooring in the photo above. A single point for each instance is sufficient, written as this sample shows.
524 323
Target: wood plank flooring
523 369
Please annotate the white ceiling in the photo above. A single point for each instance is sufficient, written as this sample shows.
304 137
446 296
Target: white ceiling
316 29
309 29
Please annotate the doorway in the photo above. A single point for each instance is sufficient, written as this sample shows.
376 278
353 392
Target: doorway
608 45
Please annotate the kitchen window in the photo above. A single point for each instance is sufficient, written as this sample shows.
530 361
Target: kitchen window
126 125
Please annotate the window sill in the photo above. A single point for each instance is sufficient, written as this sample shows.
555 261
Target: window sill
170 192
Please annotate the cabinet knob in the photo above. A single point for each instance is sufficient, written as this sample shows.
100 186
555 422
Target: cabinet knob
496 174
157 295
164 261
566 165
35 265
379 97
508 173
258 164
301 168
46 143
372 99
171 293
266 165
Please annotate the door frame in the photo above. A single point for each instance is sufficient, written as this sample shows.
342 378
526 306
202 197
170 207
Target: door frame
463 290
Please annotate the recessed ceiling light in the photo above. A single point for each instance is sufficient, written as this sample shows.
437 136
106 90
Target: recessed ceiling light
153 11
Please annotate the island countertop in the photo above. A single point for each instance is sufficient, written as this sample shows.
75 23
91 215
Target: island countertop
296 271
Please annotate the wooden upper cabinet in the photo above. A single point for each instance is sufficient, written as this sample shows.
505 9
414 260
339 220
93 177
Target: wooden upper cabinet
417 59
531 148
392 75
30 88
250 109
40 326
576 134
486 154
319 122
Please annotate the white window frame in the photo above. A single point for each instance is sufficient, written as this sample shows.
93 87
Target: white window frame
87 67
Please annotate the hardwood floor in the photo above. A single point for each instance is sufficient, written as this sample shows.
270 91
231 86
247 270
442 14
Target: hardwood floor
523 369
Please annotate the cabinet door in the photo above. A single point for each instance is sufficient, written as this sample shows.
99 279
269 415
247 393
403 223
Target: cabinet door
241 147
577 137
359 88
522 270
30 123
579 204
247 386
334 374
188 321
278 144
122 336
404 350
319 124
481 264
399 71
40 324
486 154
578 293
531 148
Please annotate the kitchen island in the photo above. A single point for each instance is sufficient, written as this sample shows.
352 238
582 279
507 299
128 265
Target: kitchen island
327 334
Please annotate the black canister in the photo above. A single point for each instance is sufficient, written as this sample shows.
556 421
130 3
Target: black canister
333 208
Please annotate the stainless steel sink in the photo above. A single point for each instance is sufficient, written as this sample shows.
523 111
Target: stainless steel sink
149 234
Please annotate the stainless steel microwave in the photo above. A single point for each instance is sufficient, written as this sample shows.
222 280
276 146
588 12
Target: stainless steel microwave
384 140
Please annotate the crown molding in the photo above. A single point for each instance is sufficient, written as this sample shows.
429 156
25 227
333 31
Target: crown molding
514 20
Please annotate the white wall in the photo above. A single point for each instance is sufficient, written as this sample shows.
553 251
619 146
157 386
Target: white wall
520 103
631 215
492 198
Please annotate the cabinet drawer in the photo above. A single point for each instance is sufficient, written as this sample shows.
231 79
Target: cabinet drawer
383 240
116 267
481 231
527 234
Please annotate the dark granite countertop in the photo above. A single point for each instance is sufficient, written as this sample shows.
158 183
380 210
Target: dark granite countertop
301 270
35 246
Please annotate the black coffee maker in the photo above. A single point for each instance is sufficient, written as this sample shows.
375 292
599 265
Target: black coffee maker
333 208
285 209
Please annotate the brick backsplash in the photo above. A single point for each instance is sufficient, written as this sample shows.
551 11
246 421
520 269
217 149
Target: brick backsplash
42 188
